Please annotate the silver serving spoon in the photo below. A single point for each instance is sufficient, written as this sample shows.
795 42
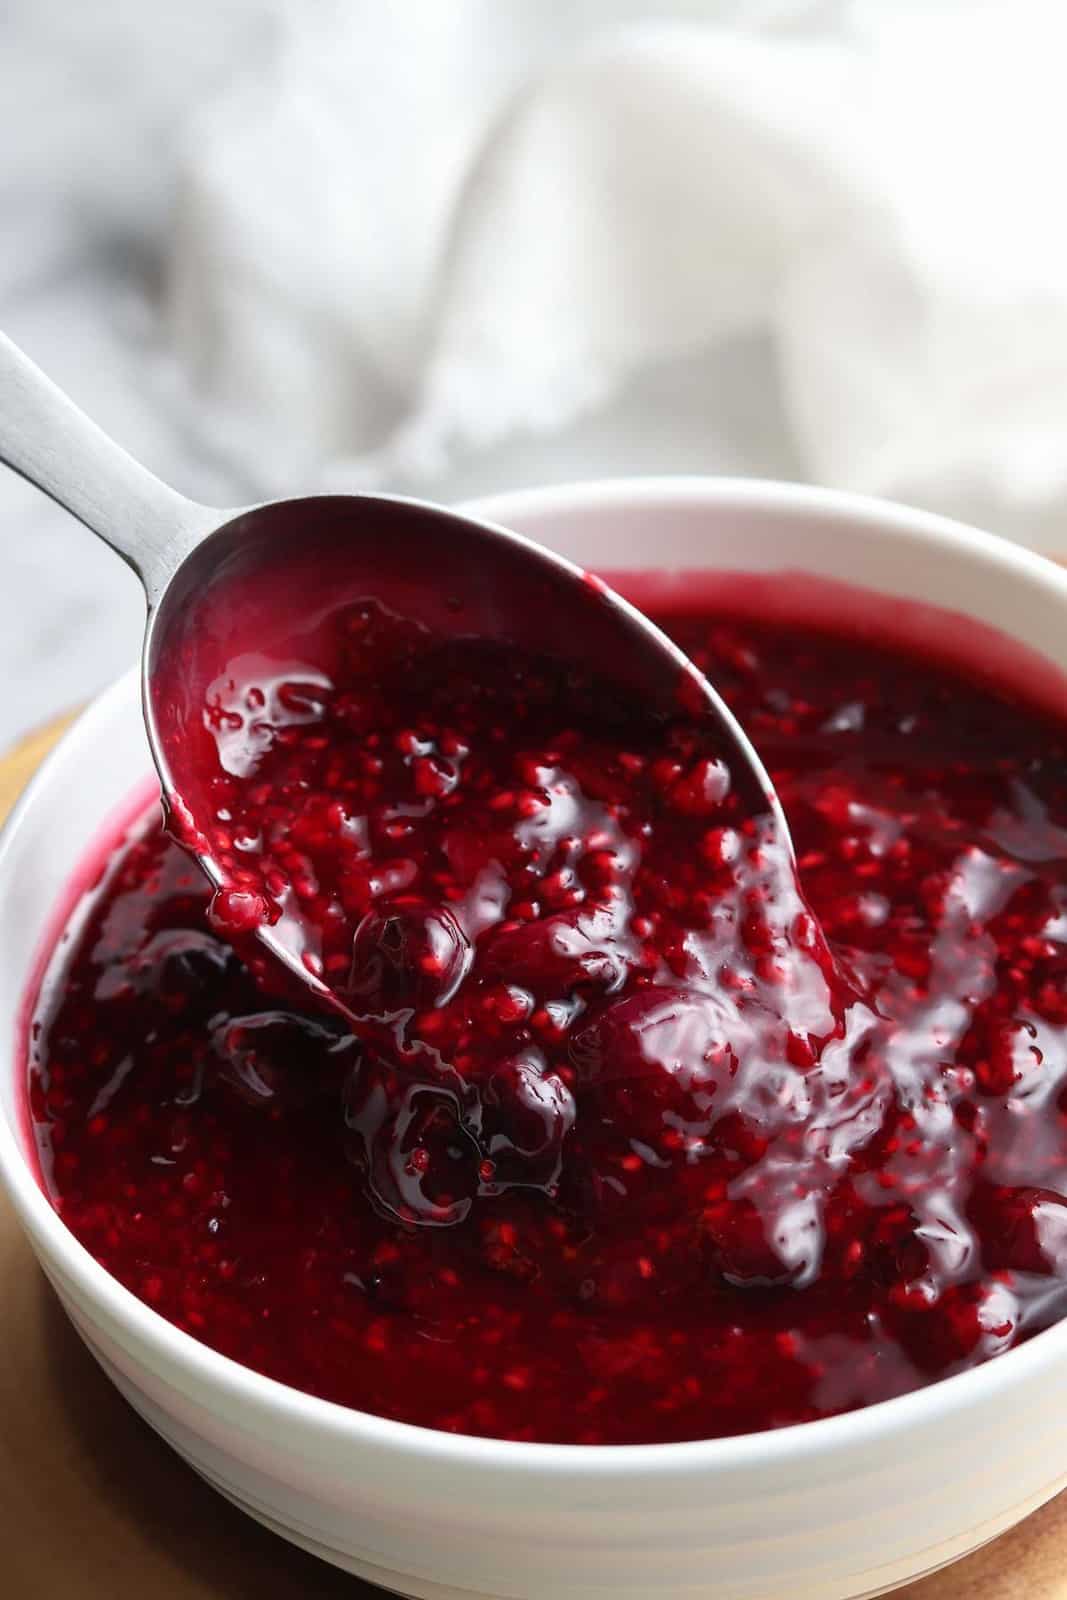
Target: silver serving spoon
210 574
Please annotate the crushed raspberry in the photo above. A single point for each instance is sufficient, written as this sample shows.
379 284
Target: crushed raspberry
236 911
617 1137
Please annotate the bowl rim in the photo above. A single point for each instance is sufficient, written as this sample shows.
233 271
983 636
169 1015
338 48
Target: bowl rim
282 1404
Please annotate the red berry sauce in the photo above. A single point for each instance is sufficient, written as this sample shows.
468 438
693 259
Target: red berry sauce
635 1143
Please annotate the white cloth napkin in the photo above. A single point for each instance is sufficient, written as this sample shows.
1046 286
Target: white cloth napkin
407 234
451 246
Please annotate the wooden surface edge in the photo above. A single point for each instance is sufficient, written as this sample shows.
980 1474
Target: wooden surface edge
20 762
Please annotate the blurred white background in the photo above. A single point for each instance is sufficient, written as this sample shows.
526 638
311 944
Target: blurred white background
454 245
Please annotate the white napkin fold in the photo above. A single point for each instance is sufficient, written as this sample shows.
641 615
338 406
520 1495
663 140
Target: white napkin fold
409 233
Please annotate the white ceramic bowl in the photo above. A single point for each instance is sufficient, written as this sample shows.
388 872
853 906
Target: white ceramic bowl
844 1507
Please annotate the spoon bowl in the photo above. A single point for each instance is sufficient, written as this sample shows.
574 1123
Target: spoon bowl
279 572
227 587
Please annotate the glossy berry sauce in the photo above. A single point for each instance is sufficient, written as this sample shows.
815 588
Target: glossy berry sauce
628 1140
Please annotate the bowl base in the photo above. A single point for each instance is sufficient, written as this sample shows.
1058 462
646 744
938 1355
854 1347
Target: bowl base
413 1588
418 1589
421 1589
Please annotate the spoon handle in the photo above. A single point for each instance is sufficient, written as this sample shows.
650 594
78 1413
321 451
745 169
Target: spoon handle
46 438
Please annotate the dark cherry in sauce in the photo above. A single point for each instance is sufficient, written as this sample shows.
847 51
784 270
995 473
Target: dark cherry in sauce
628 1151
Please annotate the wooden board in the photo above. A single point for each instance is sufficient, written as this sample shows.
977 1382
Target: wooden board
94 1507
